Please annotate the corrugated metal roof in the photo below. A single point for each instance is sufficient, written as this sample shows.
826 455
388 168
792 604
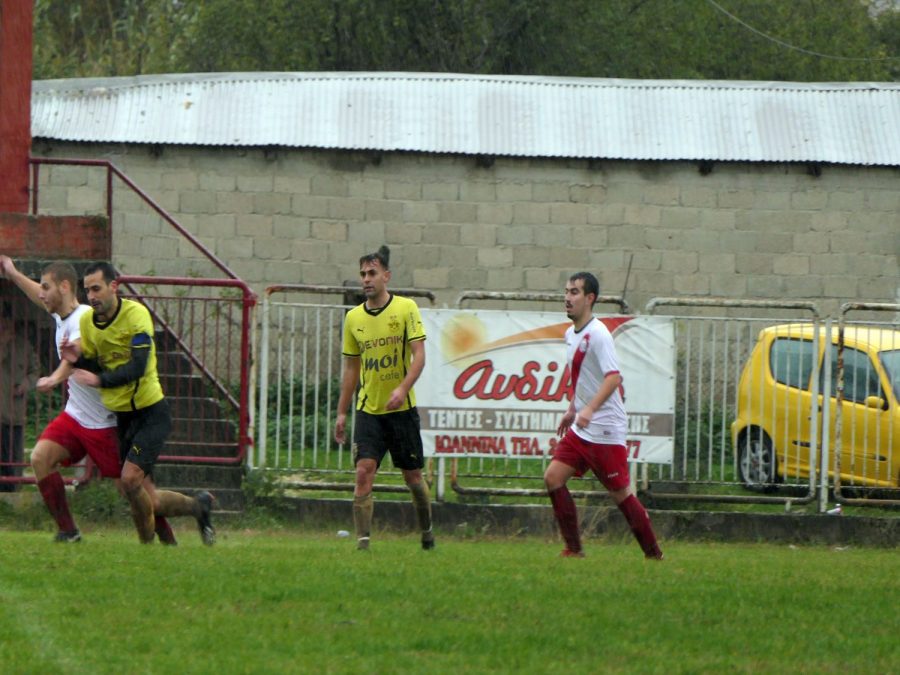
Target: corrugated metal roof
843 123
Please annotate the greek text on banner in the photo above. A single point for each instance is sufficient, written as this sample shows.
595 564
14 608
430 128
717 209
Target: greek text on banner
496 383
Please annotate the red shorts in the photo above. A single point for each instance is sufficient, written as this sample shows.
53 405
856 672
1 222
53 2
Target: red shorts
608 462
101 445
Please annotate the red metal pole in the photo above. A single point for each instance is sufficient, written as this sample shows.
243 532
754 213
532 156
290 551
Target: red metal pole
15 103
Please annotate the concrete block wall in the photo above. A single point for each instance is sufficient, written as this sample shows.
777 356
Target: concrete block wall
305 216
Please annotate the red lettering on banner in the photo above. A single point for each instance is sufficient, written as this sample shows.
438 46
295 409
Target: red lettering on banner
481 381
463 445
634 448
525 446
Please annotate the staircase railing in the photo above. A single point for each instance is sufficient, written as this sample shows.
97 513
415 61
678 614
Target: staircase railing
242 403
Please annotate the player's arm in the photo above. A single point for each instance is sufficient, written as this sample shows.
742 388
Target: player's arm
134 368
567 419
29 287
417 348
349 381
56 378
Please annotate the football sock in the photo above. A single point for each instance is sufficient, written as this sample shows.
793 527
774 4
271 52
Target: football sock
639 522
422 501
164 530
566 517
53 490
142 514
173 503
362 515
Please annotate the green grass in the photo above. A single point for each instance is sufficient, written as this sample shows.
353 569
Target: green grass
289 600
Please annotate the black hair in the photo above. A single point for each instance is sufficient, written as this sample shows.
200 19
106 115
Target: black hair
382 256
589 283
109 272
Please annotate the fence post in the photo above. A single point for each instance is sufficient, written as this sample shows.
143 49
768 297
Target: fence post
441 479
262 435
826 420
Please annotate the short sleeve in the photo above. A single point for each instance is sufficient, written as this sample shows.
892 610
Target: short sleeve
415 329
88 349
143 322
350 346
606 353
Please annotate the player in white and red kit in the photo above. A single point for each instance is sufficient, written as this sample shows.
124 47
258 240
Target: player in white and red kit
593 428
85 427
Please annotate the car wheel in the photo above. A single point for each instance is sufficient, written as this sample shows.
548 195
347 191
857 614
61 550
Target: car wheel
756 460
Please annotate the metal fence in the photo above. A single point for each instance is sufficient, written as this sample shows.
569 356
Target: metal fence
754 383
712 462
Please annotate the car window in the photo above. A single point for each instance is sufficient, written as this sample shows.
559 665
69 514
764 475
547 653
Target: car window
890 361
860 377
791 361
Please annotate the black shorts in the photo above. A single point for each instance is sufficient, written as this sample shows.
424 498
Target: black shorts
395 432
143 434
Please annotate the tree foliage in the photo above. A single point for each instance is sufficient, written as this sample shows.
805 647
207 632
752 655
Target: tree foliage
613 38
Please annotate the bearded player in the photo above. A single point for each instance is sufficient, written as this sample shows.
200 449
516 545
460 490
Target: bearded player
593 428
384 349
85 427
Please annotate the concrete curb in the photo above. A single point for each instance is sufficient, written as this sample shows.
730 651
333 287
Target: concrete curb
601 521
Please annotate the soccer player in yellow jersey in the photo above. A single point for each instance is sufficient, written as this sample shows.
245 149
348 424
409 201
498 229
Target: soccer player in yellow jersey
117 354
384 352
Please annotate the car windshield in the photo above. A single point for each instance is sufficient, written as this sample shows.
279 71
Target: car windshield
891 362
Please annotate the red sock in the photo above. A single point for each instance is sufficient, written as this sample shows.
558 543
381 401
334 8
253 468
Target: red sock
639 521
53 490
567 517
164 530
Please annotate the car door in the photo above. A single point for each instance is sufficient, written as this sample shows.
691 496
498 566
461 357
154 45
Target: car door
866 432
791 362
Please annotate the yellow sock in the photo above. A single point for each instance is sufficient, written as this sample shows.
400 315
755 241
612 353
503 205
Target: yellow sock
363 506
422 501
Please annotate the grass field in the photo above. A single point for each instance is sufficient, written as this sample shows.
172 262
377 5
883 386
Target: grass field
291 601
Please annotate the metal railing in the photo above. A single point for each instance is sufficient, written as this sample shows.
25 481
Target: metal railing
713 352
203 330
227 371
112 171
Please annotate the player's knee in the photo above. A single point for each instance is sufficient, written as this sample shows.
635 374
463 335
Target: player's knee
619 496
412 477
365 472
43 459
552 480
131 484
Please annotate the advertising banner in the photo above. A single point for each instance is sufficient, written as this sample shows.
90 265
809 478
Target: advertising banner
496 383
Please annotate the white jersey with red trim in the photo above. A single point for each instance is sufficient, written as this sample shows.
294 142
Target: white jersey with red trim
591 353
84 404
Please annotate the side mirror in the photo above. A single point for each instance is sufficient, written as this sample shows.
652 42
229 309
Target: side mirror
876 402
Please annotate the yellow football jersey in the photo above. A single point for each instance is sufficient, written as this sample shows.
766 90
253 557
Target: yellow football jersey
111 344
381 340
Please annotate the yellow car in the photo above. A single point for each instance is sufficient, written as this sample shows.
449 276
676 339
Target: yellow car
772 432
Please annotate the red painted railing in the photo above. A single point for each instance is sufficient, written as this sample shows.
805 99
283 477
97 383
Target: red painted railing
200 359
